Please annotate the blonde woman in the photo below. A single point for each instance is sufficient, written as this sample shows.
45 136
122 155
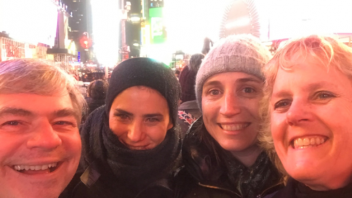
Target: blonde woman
309 123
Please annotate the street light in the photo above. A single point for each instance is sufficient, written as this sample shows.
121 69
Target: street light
135 18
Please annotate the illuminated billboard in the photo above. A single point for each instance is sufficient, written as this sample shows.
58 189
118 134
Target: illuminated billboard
32 21
106 31
157 28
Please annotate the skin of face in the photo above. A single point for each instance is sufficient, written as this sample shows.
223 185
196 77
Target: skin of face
311 124
36 132
230 106
139 117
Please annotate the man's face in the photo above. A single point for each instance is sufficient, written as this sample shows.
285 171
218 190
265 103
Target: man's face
40 145
139 117
230 103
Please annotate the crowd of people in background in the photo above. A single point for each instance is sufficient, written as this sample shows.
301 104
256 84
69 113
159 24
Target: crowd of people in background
235 122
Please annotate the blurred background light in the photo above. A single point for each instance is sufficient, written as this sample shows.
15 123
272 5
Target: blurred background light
294 18
189 22
20 19
106 17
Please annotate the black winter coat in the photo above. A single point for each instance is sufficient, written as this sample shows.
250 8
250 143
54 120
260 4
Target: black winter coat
295 189
201 178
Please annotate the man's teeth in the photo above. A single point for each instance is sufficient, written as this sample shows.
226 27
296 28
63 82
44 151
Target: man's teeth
308 142
234 127
35 168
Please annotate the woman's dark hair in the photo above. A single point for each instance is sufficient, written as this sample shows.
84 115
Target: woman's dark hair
97 89
210 143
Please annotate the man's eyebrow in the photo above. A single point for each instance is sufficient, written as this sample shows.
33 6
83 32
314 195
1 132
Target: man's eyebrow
64 113
15 111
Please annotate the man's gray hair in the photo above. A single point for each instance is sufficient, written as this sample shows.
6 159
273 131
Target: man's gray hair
39 77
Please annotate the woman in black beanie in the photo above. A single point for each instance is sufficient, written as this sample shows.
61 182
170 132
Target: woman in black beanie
131 146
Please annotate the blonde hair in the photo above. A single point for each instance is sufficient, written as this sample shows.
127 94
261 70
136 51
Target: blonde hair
38 77
326 51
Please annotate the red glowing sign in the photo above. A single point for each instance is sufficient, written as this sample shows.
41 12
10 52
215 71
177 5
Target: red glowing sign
85 42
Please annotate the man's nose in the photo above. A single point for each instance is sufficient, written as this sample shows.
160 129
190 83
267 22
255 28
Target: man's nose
45 137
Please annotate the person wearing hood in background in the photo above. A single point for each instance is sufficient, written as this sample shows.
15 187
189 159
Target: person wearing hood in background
188 110
96 94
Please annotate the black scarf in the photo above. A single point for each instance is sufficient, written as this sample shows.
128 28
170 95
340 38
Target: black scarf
251 181
125 169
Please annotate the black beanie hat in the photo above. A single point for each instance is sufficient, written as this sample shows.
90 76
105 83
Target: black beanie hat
146 72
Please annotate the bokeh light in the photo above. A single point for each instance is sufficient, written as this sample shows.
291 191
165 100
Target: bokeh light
106 17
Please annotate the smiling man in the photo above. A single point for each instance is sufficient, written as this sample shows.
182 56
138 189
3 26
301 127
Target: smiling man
40 111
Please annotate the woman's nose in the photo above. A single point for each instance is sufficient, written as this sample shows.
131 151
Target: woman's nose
298 113
135 133
230 105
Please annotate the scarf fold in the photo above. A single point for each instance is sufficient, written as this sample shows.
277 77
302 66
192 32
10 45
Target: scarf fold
132 169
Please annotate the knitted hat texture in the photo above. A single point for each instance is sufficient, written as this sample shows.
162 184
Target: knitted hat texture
235 53
145 72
